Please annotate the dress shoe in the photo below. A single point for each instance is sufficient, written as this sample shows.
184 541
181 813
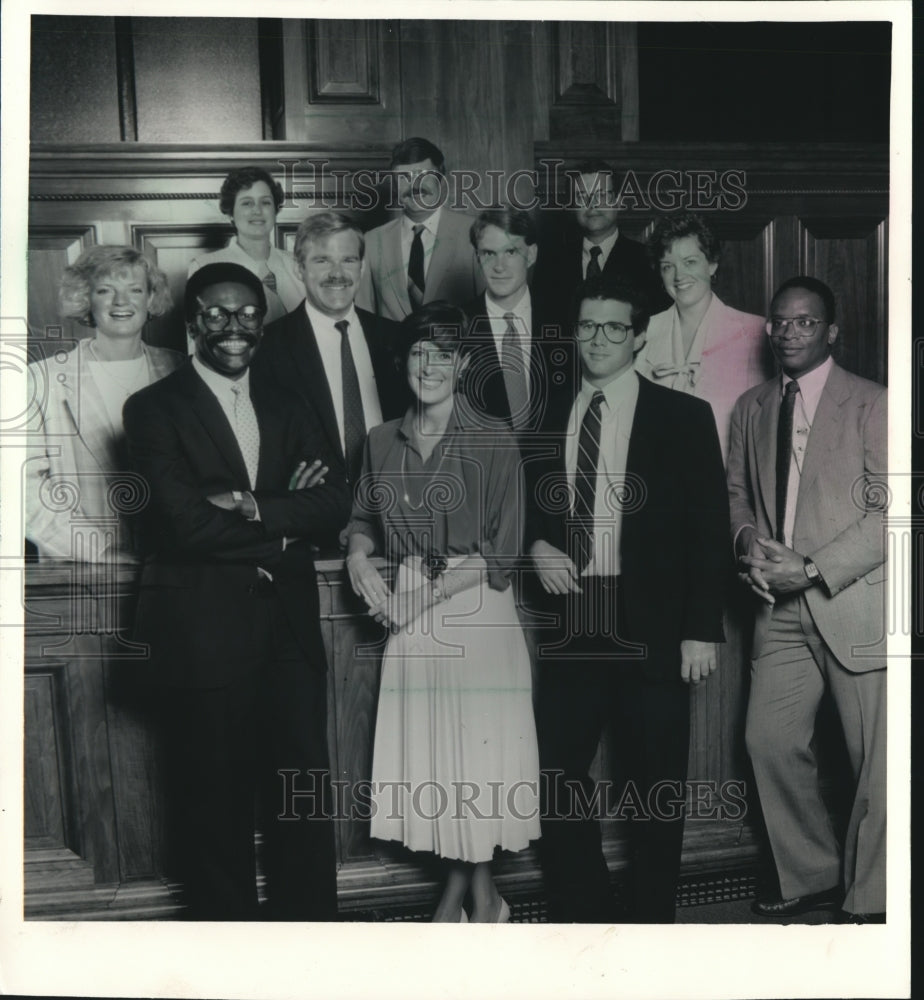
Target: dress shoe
845 917
829 899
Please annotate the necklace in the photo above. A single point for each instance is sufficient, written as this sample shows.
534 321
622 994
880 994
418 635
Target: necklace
137 379
423 492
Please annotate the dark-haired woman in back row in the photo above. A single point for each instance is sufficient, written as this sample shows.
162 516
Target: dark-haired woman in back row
251 199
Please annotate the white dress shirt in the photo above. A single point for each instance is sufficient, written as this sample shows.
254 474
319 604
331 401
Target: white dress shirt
523 313
616 416
328 338
811 386
427 237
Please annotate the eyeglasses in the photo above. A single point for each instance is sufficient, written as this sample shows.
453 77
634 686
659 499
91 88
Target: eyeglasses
615 333
802 326
217 318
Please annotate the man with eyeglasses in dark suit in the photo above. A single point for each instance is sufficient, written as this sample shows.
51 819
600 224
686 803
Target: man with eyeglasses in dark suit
625 529
239 490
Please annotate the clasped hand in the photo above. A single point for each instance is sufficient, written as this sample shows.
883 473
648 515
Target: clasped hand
386 607
770 568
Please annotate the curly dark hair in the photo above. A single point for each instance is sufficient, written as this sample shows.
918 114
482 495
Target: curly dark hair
243 178
675 227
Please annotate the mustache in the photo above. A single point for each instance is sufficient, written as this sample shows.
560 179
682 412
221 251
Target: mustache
222 335
337 283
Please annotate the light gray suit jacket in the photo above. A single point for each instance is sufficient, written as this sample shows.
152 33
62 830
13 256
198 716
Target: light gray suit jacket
76 475
452 272
840 511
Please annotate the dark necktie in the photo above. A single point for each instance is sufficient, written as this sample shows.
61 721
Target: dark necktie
585 483
269 279
784 453
514 375
354 420
593 267
415 269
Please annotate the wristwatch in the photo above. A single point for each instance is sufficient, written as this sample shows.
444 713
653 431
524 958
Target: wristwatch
436 590
811 571
237 496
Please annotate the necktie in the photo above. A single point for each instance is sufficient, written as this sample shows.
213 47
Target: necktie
246 431
515 377
593 267
415 269
354 420
269 279
585 483
784 453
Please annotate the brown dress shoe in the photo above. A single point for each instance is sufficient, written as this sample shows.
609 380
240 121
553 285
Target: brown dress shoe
829 899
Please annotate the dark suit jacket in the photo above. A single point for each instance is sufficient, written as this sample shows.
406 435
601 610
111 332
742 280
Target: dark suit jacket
674 553
195 609
552 366
559 272
289 356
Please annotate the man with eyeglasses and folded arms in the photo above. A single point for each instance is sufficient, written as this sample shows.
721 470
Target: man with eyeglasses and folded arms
626 531
241 484
806 481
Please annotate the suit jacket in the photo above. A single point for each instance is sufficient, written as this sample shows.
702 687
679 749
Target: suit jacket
730 353
552 366
452 273
839 511
290 357
75 457
196 606
559 272
673 556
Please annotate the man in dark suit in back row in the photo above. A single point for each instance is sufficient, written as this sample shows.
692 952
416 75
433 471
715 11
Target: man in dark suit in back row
633 570
590 244
335 357
516 359
229 607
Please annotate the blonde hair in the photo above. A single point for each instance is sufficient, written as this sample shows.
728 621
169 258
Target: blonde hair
98 262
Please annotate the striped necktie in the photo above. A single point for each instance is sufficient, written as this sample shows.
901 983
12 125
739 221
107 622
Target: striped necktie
585 483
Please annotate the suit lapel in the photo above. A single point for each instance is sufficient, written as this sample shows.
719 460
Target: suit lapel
395 276
310 367
212 417
764 445
825 433
88 411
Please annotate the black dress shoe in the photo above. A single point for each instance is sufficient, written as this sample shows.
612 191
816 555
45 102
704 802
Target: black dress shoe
845 917
829 899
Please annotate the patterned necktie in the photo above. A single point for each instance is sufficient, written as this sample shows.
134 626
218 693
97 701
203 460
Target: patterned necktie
784 453
585 483
246 431
415 269
515 377
593 266
354 420
269 279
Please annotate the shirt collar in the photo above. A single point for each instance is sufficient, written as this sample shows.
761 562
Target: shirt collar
406 427
431 223
321 321
521 309
218 383
811 385
615 393
606 246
